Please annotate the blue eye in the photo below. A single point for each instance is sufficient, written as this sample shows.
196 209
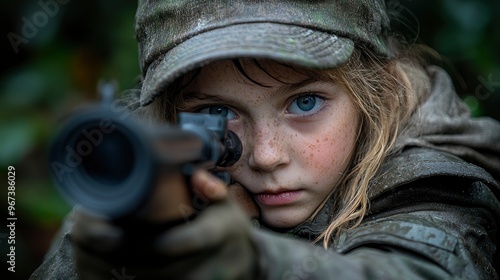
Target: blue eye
305 105
218 110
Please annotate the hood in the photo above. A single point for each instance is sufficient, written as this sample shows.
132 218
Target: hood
443 123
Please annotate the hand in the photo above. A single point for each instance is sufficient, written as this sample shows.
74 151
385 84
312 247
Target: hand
216 243
242 198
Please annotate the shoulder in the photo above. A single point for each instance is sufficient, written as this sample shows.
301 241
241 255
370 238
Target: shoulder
59 262
427 175
420 163
431 205
420 175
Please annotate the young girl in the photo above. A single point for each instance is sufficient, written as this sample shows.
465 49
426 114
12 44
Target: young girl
361 160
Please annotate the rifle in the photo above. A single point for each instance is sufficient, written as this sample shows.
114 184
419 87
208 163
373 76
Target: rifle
107 162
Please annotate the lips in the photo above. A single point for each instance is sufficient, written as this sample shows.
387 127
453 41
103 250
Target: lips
278 198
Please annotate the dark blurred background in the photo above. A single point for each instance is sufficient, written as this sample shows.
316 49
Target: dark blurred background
55 51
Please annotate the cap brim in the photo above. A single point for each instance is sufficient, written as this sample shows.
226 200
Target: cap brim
285 43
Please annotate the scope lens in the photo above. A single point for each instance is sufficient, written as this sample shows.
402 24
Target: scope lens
108 158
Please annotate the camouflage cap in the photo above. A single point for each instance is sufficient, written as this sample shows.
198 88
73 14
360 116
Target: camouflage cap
177 36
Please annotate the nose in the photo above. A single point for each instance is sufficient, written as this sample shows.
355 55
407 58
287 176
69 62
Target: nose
268 149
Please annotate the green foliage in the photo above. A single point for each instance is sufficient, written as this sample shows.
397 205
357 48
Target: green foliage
466 34
44 76
58 68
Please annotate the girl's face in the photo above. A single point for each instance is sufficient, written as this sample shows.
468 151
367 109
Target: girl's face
298 133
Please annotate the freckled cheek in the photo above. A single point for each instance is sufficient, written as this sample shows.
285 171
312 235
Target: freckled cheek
328 154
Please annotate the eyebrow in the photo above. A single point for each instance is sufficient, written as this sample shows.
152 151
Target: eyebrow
296 86
283 89
198 95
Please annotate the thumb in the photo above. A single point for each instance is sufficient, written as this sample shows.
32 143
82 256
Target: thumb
242 198
208 186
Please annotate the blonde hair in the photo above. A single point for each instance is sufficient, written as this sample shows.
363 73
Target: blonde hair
385 92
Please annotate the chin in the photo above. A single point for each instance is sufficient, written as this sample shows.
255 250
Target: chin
277 221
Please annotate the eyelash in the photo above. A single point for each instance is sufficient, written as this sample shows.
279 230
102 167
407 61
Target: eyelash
215 105
292 99
316 95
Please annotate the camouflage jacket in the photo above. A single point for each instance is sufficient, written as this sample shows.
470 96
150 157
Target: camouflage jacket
433 214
